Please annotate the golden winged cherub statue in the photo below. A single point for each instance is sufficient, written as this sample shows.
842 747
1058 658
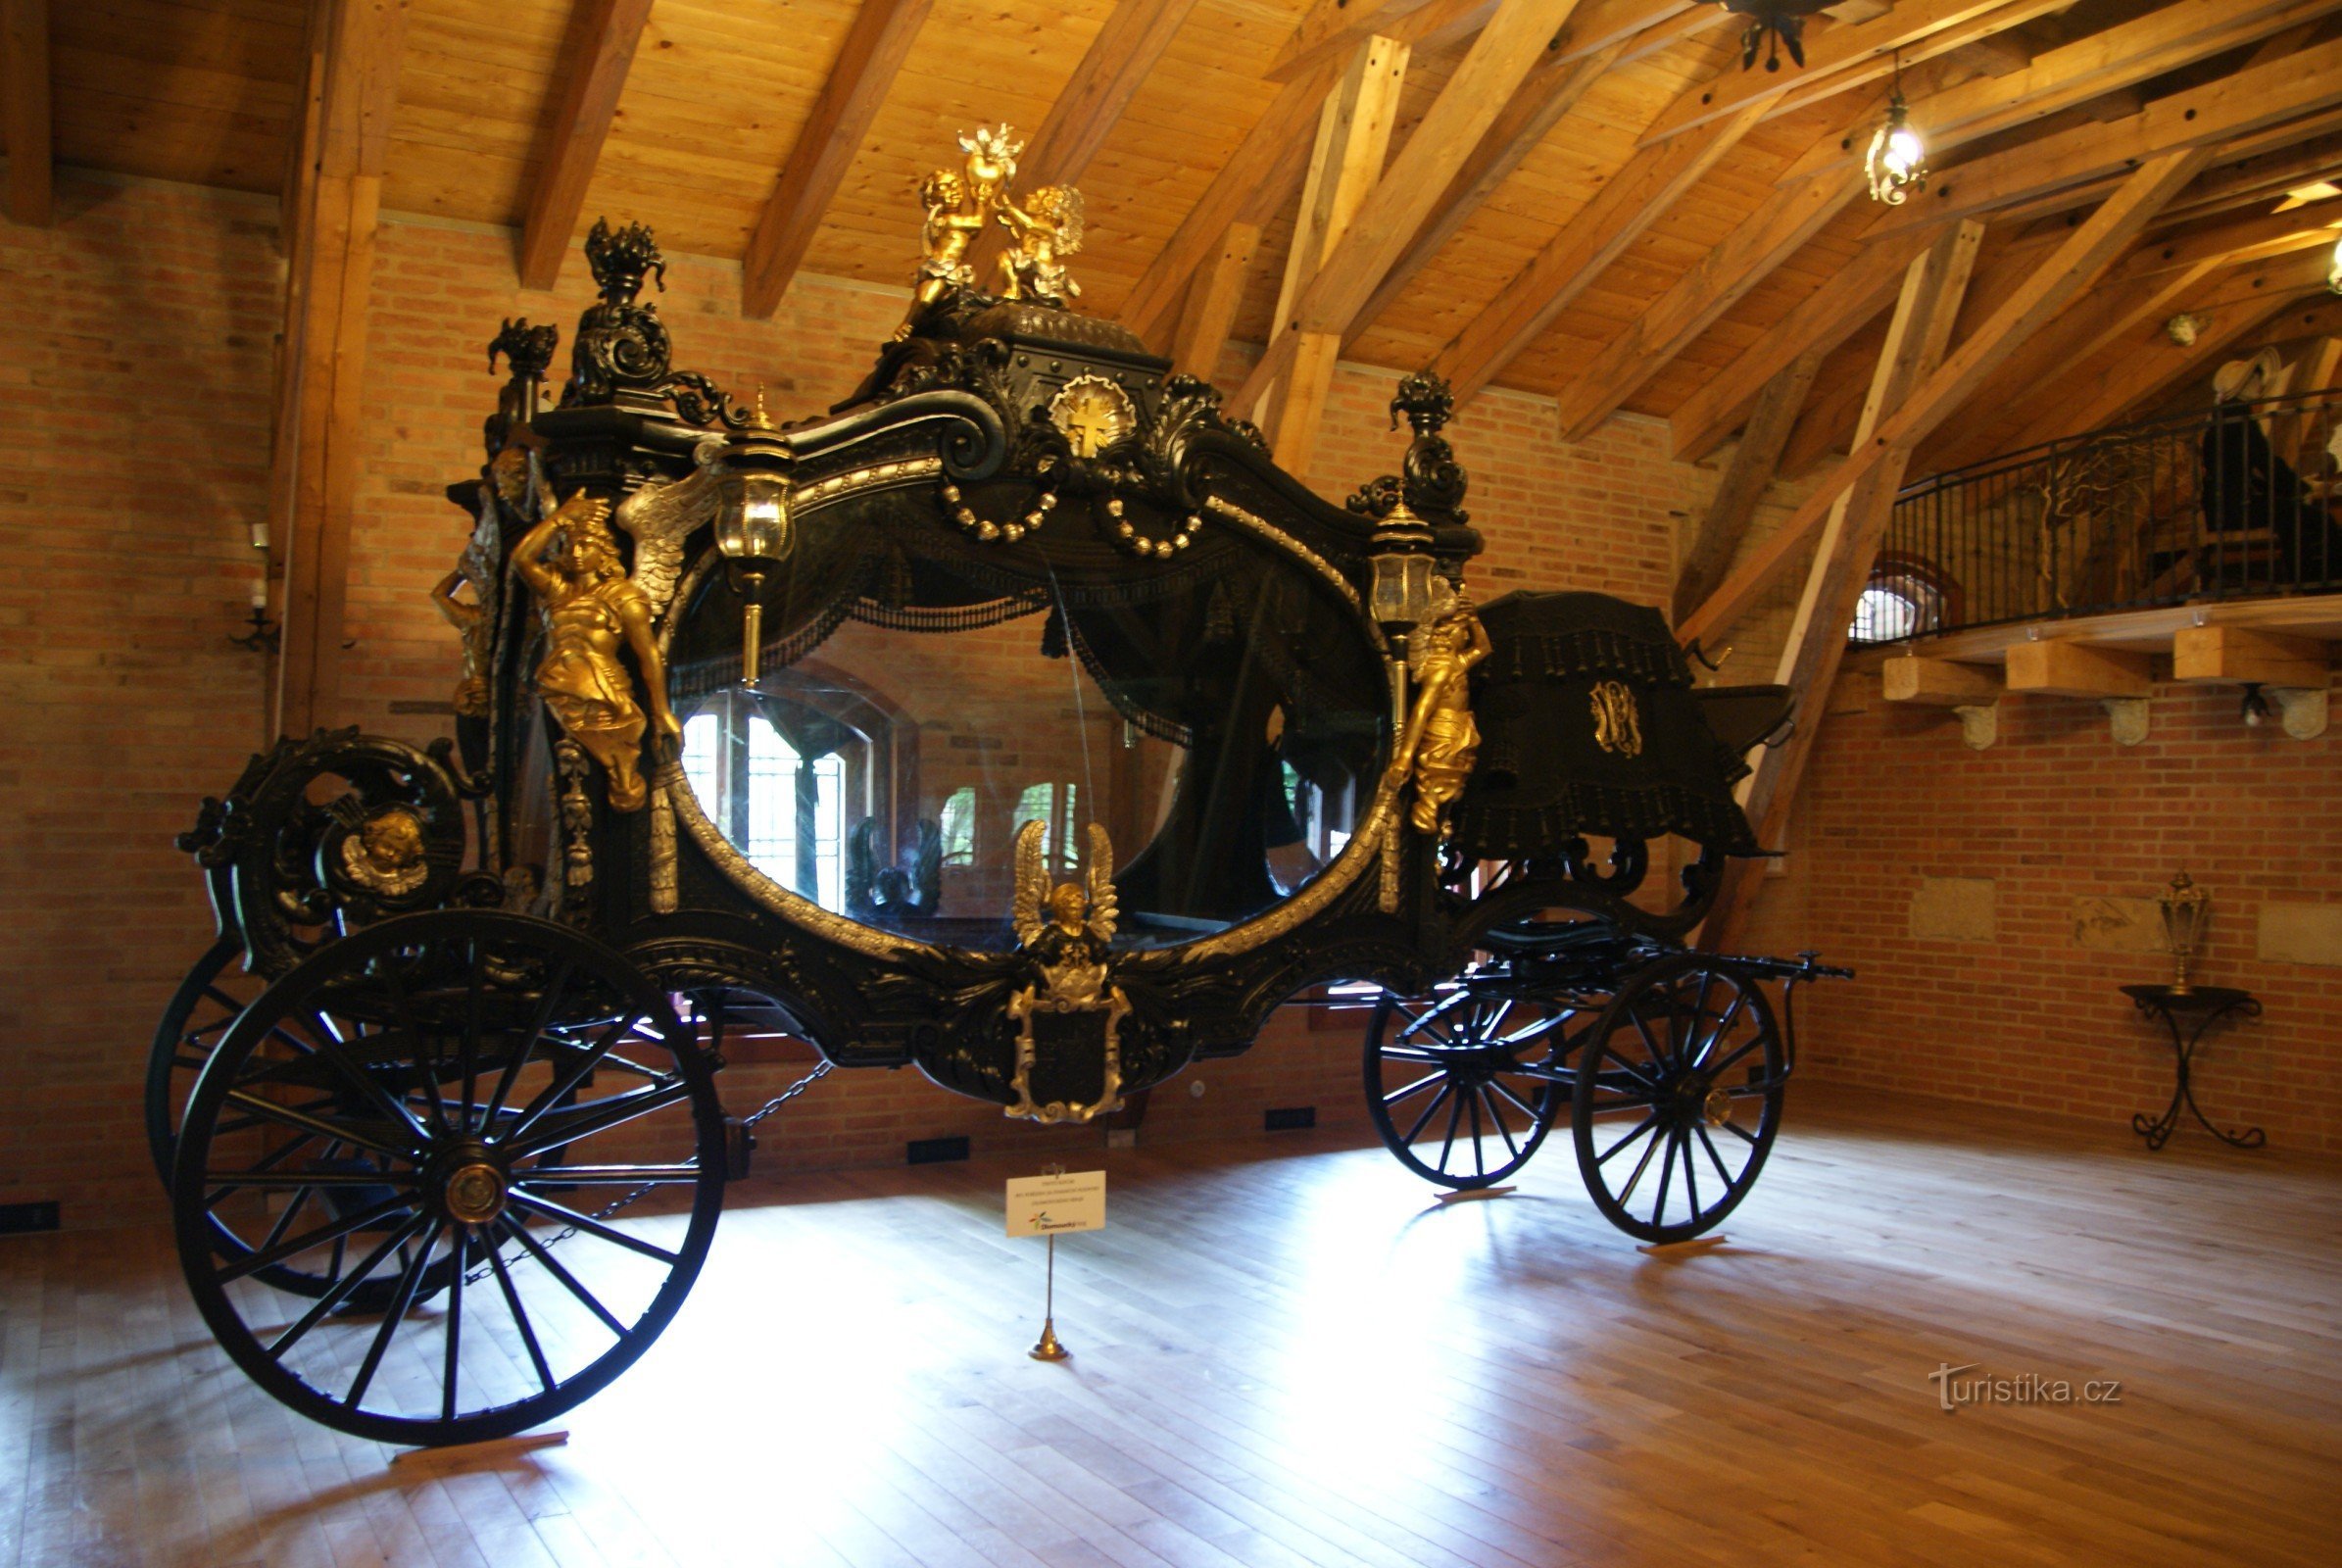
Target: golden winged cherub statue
1440 739
1042 232
1068 929
570 561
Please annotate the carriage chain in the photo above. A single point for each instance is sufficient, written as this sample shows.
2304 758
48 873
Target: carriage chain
820 1071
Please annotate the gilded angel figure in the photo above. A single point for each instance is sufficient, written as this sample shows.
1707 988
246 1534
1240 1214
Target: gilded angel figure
1068 929
590 610
1440 739
1042 232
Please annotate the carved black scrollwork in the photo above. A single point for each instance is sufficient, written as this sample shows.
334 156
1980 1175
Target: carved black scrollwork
292 871
1434 483
622 346
529 349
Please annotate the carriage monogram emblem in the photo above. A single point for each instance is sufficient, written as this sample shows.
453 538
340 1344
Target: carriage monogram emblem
1069 1026
1618 726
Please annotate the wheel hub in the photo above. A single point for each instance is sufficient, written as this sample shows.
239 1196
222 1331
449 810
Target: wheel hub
473 1190
1717 1108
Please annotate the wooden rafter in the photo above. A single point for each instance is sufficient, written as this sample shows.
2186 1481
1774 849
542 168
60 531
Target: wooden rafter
1353 135
1827 176
605 33
1915 347
24 110
2070 270
315 455
1395 211
1743 484
1212 303
1828 318
875 47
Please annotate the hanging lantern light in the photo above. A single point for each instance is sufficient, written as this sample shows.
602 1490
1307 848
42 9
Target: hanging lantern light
751 526
1898 160
2333 271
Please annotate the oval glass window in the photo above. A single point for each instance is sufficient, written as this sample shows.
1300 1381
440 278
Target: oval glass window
1224 726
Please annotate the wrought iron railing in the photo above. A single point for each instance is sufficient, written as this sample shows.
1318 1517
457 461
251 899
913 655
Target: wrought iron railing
2240 500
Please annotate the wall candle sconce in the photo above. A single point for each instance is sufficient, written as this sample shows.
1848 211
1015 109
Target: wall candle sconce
264 635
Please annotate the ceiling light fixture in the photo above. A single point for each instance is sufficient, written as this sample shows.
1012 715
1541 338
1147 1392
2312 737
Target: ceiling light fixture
1898 159
1782 20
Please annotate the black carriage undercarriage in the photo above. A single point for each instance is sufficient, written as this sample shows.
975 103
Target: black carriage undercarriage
805 726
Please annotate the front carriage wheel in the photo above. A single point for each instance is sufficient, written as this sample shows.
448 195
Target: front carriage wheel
1678 1097
1464 1085
461 1099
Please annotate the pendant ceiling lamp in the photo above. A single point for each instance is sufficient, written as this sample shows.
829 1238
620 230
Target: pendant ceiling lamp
1773 25
1897 161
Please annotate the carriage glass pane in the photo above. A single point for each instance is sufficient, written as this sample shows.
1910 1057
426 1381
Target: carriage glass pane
1224 728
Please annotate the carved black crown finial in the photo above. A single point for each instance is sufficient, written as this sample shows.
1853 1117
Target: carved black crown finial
623 259
528 347
1434 485
1424 398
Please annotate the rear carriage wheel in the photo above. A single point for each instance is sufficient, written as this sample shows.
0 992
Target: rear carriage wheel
211 996
1465 1084
1678 1097
464 1100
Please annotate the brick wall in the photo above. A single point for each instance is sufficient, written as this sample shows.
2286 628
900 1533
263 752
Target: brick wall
137 414
2056 812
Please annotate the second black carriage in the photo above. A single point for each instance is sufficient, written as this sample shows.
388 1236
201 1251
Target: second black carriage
829 731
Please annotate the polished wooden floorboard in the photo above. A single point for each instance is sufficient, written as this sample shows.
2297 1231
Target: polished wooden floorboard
1287 1356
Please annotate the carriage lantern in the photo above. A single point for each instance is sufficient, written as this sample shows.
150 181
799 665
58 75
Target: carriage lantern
2186 908
751 526
1402 590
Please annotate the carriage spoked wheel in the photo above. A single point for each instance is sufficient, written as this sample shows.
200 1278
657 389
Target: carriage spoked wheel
489 1100
214 993
1463 1085
1678 1096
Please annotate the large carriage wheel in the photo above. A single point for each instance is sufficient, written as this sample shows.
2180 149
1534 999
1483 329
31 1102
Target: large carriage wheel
1464 1085
1678 1096
211 996
477 1097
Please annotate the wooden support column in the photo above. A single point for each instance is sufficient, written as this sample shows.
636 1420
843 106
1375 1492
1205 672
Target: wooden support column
1353 132
1387 220
605 33
1212 302
330 244
875 47
1916 342
24 103
1743 484
2068 270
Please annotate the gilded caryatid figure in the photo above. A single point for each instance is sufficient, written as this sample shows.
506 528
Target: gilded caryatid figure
570 561
1441 740
1041 233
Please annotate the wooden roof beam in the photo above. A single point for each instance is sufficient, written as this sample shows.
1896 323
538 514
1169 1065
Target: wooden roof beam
1915 340
605 36
1742 487
1499 59
2070 270
1333 29
1257 180
1125 52
2162 41
1212 303
875 47
25 110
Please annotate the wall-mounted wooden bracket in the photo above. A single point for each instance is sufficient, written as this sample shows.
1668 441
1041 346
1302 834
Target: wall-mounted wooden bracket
1968 691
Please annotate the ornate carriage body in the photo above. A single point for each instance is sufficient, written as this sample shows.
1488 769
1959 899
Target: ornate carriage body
1328 766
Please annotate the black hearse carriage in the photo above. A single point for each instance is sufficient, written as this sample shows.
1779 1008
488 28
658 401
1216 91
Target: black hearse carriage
837 729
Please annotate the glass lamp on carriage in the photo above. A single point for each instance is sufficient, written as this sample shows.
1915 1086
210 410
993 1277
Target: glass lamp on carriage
1401 592
751 527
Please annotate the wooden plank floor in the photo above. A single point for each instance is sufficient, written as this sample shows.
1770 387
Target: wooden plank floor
1286 1356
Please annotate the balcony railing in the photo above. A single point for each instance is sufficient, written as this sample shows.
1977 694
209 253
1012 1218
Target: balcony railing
2240 500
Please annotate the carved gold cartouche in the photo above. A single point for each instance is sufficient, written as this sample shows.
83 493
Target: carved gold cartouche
570 561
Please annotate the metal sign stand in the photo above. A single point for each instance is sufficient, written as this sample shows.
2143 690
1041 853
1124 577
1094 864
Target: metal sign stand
1047 1348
